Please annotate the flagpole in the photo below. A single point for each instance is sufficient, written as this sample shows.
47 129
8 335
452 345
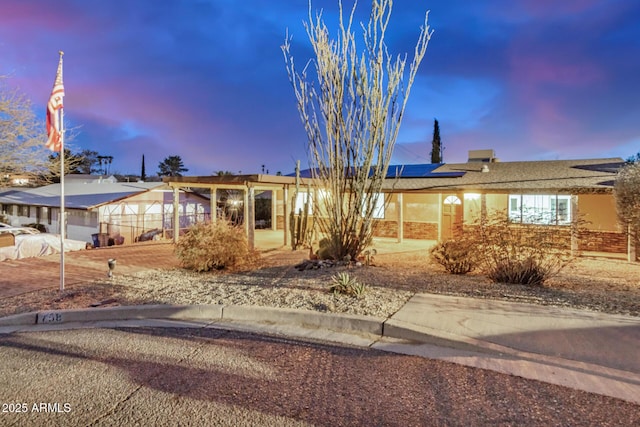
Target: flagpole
62 210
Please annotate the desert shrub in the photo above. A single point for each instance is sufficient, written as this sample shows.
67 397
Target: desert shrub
527 254
456 256
324 250
627 193
343 283
525 272
212 246
368 256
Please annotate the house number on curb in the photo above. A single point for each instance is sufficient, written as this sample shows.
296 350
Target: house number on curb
50 317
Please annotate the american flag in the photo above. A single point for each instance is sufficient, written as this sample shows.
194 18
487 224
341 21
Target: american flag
54 111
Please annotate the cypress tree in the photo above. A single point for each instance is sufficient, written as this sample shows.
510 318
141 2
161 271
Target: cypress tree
436 145
143 173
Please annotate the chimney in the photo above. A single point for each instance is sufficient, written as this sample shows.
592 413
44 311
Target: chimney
482 156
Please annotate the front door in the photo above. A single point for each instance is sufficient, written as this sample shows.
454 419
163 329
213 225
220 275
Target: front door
451 216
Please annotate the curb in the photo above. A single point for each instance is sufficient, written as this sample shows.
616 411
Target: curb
212 313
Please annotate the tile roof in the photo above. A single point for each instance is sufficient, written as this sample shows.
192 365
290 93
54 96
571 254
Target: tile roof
590 175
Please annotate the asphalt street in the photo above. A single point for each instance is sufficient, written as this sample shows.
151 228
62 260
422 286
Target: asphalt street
209 376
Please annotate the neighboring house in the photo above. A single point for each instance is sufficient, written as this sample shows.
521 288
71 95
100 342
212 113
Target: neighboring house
103 207
17 180
431 201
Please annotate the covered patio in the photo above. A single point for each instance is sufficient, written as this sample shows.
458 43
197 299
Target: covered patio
250 186
282 190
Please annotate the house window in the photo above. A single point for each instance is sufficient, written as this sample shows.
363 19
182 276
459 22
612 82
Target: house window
452 200
301 199
377 200
540 209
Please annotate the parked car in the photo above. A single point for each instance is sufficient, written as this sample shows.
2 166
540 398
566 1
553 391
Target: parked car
6 228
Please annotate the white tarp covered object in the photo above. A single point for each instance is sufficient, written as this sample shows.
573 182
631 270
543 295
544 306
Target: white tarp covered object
35 245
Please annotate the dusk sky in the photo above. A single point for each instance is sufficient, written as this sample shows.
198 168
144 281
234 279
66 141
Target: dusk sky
206 80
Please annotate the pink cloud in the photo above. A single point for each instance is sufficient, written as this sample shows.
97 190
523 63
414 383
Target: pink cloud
534 70
28 16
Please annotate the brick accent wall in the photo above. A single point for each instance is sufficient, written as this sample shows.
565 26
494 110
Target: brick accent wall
592 241
421 230
412 230
602 241
385 229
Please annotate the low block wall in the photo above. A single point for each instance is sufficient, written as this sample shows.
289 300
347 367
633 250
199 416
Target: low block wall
412 230
421 230
385 229
602 241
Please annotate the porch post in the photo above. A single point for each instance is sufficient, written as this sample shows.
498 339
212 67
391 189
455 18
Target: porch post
213 204
285 210
400 206
250 214
483 207
631 245
575 238
176 214
439 217
274 209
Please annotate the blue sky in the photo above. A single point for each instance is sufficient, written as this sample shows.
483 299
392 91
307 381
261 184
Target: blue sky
206 80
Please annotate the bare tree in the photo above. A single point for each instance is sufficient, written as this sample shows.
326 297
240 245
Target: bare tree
22 136
627 192
73 164
352 114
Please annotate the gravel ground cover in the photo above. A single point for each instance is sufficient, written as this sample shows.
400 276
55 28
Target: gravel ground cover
599 284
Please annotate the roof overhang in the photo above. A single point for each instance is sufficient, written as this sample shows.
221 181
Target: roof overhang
235 181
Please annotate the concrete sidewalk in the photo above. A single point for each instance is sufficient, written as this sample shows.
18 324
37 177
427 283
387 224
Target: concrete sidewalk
581 349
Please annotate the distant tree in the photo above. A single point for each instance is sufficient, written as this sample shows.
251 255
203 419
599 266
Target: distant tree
72 165
351 99
104 163
22 135
88 162
627 192
143 172
634 159
84 162
436 144
171 166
